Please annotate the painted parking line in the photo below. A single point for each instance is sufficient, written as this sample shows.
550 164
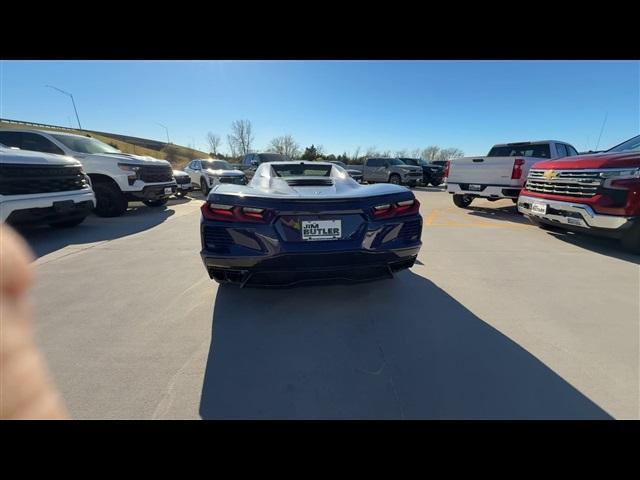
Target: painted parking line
453 217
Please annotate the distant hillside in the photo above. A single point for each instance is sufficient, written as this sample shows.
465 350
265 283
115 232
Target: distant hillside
178 156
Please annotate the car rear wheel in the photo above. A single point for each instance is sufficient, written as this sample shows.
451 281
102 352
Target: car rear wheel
110 202
156 203
436 184
395 179
462 201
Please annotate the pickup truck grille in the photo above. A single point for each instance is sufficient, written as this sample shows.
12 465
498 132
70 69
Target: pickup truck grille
156 173
581 183
182 179
20 179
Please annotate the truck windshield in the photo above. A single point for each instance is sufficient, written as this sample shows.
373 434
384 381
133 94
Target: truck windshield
84 144
540 150
216 165
272 157
633 144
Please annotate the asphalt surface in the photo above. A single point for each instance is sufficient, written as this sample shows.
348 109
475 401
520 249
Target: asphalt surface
499 319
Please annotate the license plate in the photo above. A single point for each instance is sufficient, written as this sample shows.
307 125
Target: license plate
321 229
475 187
167 190
539 208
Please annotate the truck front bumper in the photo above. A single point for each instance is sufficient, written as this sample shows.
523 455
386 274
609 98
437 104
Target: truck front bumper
572 214
153 192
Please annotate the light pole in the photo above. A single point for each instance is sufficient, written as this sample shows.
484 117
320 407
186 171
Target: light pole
72 101
167 130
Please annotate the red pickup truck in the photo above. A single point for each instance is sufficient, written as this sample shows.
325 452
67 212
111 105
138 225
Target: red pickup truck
597 193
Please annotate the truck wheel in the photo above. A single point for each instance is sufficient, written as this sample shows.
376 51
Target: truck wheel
462 201
631 240
110 202
435 184
395 179
204 186
68 223
156 203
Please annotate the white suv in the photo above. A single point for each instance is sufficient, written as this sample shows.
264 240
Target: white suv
117 177
38 188
206 173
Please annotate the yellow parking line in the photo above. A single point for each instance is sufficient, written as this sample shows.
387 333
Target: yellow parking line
432 216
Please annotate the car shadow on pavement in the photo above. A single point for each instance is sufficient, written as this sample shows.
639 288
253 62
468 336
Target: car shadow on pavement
610 247
508 213
44 239
393 349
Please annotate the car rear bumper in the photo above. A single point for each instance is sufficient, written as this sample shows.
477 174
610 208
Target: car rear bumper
290 269
571 214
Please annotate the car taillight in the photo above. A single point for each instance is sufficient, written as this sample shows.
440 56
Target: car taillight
446 169
516 173
386 210
230 213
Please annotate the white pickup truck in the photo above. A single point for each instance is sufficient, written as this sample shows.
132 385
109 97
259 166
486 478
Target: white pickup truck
502 173
117 178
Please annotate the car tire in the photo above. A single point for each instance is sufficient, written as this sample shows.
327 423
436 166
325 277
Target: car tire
631 239
110 201
436 184
161 202
395 179
68 223
462 201
204 186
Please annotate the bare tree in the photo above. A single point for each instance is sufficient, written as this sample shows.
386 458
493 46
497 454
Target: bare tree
430 153
356 155
450 153
401 153
415 153
233 147
286 146
242 135
372 152
214 142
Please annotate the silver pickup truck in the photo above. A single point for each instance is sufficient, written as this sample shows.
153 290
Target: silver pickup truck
502 173
390 170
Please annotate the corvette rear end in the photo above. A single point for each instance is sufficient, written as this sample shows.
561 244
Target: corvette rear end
299 222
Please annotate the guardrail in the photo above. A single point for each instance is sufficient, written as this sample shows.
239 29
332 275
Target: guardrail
141 142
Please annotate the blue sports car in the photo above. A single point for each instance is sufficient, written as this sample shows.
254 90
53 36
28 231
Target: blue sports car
301 221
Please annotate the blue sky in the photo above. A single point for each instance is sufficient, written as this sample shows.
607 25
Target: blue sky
341 105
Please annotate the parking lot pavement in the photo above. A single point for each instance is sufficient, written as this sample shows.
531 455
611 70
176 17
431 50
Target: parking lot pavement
498 319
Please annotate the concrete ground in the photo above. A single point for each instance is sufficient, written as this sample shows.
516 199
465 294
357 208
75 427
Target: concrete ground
498 319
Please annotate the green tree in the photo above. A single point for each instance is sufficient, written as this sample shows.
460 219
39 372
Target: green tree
310 153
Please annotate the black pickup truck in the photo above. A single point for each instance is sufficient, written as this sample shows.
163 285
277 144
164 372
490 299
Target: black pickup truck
250 162
431 173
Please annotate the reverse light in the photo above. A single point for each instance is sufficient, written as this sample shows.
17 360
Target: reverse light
516 172
405 207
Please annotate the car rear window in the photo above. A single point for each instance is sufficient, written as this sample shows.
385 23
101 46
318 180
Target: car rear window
302 170
540 150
